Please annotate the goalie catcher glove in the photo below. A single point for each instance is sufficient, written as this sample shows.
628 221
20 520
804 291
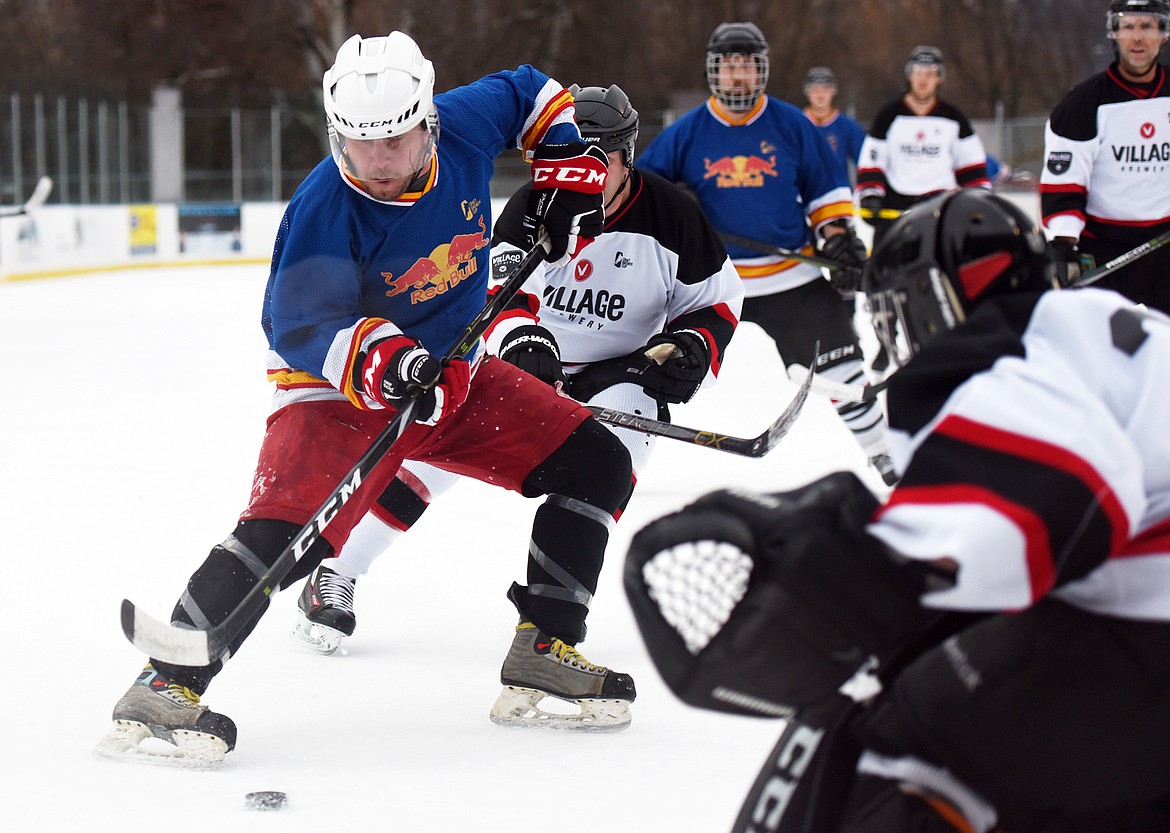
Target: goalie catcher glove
566 199
534 350
766 604
846 248
393 367
678 376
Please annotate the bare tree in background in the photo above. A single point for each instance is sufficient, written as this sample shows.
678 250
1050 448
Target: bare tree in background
1023 53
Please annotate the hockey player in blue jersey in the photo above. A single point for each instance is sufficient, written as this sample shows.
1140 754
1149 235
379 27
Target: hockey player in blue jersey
761 171
380 262
843 134
657 278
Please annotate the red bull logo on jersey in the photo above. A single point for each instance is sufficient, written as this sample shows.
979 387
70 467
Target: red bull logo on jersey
740 171
447 265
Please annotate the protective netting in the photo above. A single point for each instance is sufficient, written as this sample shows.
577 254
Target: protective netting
697 585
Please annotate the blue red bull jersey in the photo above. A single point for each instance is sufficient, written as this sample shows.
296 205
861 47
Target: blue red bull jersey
766 174
843 135
348 270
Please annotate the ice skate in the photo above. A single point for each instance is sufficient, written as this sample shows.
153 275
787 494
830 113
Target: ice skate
884 465
158 721
325 614
539 666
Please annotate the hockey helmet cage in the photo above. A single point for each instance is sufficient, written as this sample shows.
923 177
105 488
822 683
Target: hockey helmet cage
1119 8
928 56
943 257
742 39
378 87
820 75
606 118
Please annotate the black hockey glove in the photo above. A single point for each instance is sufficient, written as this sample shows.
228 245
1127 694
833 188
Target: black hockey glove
765 604
534 350
566 198
846 248
1068 259
678 363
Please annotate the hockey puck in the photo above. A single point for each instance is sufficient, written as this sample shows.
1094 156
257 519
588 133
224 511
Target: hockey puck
266 800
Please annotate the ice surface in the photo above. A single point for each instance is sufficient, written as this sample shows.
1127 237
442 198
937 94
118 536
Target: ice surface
133 408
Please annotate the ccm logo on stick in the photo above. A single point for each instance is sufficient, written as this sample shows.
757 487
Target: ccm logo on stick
797 750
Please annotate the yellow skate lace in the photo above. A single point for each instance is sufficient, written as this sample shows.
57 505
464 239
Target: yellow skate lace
183 694
569 655
565 653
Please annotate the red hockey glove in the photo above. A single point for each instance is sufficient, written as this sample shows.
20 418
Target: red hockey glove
566 198
395 366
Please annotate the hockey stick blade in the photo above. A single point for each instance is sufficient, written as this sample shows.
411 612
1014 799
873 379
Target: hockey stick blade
36 199
186 646
839 391
753 447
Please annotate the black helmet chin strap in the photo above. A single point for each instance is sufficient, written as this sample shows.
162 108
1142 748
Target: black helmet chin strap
618 192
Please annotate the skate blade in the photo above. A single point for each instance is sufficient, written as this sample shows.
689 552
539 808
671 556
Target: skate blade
130 741
521 707
320 639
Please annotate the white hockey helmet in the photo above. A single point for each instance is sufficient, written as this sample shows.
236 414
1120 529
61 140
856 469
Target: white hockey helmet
378 87
378 91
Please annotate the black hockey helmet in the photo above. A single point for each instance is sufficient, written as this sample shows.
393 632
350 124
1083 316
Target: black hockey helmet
1119 8
943 257
820 75
607 119
742 38
928 56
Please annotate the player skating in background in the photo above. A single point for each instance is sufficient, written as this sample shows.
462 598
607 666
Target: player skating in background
843 134
1004 617
918 145
656 281
1105 187
762 171
380 263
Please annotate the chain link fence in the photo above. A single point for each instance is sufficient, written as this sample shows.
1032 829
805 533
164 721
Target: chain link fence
99 152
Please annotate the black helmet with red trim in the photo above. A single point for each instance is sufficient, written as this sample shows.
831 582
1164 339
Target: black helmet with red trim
943 257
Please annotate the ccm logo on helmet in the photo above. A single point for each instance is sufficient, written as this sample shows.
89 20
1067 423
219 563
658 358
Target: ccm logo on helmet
372 125
568 174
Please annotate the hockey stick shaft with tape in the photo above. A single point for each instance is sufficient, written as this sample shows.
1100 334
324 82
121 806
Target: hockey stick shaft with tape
768 249
185 646
1122 260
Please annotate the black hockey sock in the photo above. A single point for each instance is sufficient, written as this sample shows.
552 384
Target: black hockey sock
214 590
587 479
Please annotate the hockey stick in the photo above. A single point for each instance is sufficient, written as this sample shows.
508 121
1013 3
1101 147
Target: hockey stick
36 199
840 391
768 248
1122 260
881 213
753 447
186 646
